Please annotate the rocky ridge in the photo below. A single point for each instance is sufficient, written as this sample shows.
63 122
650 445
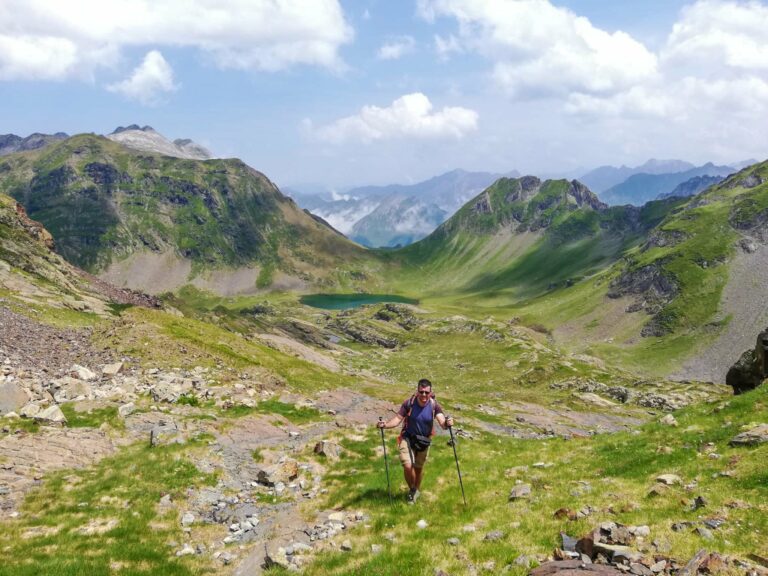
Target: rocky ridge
146 139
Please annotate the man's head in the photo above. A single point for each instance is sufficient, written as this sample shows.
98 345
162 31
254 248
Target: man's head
424 391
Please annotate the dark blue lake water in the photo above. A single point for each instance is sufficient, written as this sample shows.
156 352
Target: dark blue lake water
345 301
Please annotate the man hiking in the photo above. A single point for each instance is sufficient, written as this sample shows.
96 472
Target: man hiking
417 414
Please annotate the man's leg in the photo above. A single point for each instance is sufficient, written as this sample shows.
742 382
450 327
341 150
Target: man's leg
410 476
406 459
417 474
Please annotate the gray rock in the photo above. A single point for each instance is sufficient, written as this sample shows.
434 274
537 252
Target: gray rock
453 541
81 372
112 370
523 561
126 409
12 398
669 479
494 535
30 410
52 414
328 449
520 491
166 433
757 435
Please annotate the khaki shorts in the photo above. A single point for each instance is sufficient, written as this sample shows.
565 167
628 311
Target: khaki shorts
419 458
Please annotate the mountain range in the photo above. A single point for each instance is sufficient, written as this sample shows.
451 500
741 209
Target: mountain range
639 188
398 213
155 222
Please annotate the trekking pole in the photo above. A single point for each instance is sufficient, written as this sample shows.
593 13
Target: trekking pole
453 443
386 464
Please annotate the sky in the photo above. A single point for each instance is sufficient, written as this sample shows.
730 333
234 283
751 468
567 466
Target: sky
351 92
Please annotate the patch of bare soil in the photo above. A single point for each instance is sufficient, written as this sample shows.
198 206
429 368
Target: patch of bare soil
295 348
744 301
605 323
565 421
150 272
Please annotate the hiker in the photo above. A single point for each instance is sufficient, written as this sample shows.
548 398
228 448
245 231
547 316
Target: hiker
417 414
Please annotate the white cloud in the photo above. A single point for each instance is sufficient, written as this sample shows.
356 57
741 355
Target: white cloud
410 116
714 66
50 39
446 46
149 81
538 48
397 48
720 34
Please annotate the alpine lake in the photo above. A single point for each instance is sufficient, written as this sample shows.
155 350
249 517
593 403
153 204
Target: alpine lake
347 301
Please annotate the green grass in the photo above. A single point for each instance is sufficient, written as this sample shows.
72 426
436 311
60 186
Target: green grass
618 470
296 415
125 489
93 418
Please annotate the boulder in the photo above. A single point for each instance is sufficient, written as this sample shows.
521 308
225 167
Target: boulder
126 409
328 449
757 435
282 472
52 415
112 370
520 491
574 568
669 479
81 372
12 398
30 410
166 433
69 388
751 368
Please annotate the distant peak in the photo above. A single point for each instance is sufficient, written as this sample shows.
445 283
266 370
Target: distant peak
133 127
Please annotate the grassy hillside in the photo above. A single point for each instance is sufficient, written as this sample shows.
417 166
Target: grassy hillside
103 202
521 238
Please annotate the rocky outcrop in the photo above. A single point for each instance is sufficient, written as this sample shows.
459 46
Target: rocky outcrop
749 218
34 228
584 196
749 371
749 181
147 139
653 288
483 204
660 238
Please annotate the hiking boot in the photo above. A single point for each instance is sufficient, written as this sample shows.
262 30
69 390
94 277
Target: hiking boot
415 496
410 498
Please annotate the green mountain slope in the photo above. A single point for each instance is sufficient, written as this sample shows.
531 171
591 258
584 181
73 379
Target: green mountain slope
30 271
523 237
105 203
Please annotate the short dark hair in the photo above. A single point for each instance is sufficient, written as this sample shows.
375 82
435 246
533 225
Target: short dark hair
423 383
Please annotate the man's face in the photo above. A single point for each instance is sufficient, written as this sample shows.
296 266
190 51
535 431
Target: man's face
423 394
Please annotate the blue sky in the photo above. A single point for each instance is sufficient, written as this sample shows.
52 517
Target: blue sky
374 91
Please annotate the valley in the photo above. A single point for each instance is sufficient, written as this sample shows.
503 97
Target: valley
191 369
